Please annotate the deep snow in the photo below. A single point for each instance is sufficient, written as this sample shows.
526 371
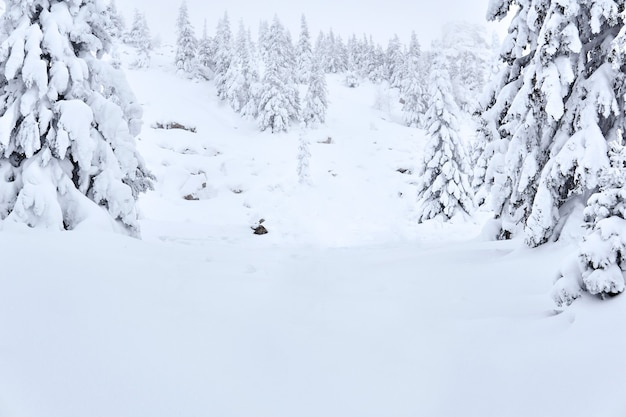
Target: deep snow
346 308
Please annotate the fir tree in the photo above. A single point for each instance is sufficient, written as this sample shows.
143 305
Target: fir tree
304 53
315 100
223 56
376 63
264 29
413 86
394 62
444 185
602 253
304 156
242 75
278 96
67 148
549 111
115 25
139 37
206 50
186 44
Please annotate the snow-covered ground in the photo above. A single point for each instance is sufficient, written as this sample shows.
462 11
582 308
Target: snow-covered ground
346 308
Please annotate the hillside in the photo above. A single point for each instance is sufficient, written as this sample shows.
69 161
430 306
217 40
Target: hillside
345 308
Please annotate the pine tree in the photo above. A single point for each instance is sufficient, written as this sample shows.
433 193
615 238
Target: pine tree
115 24
315 100
206 50
444 185
304 156
186 43
602 253
223 56
469 56
278 96
264 29
304 53
242 75
139 37
549 111
67 149
376 63
394 62
413 86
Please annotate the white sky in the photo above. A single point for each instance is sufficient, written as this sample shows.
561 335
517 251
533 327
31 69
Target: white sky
381 18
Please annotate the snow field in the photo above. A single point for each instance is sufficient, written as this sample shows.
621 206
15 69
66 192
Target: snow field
346 308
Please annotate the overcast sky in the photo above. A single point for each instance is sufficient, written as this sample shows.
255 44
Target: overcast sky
381 18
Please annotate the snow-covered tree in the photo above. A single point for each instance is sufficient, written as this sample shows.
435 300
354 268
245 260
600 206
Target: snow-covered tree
186 43
394 62
223 56
206 50
264 29
444 188
115 24
601 262
413 89
469 55
376 63
550 111
68 121
304 53
315 100
139 37
304 156
242 75
278 95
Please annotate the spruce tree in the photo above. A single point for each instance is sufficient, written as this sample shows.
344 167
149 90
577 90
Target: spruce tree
550 111
242 74
69 121
139 37
601 259
115 24
394 62
304 156
186 43
223 56
304 53
206 50
413 89
315 100
444 182
278 96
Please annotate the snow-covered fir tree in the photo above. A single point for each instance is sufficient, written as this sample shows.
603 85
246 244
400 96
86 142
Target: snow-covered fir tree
413 88
278 96
304 156
304 53
139 37
376 63
469 54
394 62
223 56
336 54
206 50
550 111
601 261
186 43
115 23
443 188
264 29
242 75
69 121
315 100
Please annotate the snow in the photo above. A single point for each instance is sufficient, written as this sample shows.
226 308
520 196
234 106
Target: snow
346 308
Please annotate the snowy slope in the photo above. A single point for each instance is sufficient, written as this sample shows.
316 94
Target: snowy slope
346 308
